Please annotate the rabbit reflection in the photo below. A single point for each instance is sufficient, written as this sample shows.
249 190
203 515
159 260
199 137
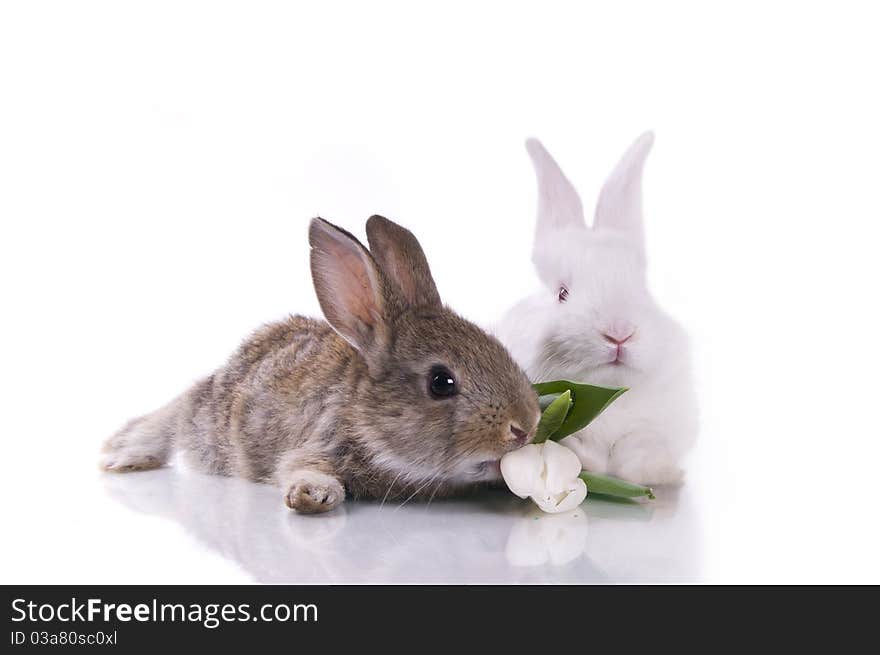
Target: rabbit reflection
490 538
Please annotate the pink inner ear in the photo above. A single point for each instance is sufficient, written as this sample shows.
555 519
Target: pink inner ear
355 289
350 287
347 284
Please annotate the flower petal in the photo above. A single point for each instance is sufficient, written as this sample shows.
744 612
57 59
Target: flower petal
575 495
562 466
521 469
562 501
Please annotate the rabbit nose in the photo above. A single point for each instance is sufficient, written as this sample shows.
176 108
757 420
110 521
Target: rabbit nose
519 434
618 337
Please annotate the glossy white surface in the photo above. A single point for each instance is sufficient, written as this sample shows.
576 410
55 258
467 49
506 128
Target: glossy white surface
224 530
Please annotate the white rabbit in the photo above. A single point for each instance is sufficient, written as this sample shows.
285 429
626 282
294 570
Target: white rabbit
595 321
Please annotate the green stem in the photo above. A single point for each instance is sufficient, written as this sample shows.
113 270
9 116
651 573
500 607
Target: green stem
605 484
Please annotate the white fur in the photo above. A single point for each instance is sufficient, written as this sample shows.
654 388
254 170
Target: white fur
643 435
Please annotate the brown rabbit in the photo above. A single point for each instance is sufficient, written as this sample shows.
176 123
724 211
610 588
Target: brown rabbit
398 397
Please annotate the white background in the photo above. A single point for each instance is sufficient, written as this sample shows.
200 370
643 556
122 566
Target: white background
159 162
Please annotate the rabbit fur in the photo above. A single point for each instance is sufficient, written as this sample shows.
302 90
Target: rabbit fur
594 320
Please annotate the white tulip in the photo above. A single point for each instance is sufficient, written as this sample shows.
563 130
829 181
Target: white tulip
547 473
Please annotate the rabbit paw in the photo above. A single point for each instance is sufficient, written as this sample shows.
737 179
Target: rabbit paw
121 462
313 492
593 455
645 460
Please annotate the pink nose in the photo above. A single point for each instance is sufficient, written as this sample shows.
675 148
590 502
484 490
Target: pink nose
618 338
521 435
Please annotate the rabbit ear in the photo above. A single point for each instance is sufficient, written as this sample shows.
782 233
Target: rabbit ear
559 205
349 286
403 261
620 202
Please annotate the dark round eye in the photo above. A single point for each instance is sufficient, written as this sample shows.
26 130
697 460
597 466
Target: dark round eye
441 384
563 293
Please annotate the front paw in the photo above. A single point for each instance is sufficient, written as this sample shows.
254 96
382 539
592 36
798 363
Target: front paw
593 455
313 493
645 459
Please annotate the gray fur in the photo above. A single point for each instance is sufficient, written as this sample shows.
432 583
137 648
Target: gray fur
321 410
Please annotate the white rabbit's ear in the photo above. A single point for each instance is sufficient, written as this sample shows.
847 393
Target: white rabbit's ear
620 202
559 205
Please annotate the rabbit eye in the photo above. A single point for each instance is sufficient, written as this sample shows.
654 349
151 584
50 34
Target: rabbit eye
563 293
441 382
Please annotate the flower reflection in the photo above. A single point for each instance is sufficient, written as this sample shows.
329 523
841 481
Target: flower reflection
539 538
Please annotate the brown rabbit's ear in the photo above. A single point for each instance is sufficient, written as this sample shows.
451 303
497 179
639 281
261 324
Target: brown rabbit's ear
348 284
403 261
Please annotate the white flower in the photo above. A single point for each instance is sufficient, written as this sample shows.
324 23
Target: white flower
547 473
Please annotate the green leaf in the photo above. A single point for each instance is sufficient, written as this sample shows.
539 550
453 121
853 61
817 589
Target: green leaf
553 417
605 484
588 401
